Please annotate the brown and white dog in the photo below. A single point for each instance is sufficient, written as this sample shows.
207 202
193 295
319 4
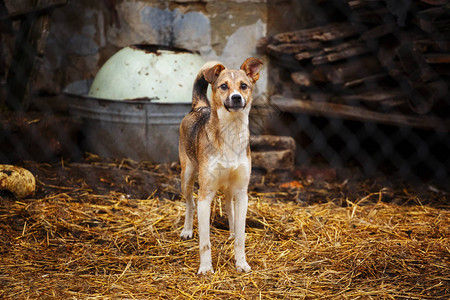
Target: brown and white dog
214 147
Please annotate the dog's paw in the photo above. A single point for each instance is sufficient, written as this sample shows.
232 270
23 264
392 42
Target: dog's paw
205 269
231 237
186 234
243 267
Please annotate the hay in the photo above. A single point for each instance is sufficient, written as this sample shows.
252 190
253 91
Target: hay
83 240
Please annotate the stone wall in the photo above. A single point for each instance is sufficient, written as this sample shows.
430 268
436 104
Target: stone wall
85 33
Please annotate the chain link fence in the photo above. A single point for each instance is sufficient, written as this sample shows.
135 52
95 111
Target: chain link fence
364 85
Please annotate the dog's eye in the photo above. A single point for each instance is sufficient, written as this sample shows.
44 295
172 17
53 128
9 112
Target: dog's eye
244 86
223 87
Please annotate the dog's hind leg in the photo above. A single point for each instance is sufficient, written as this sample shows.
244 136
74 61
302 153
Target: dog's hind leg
188 174
229 206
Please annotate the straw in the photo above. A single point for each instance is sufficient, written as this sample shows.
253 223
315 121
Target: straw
79 239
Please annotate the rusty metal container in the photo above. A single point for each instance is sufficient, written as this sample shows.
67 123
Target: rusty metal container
142 127
139 130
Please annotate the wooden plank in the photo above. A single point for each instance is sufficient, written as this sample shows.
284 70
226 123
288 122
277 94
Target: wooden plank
379 31
425 96
273 160
358 113
350 70
293 48
437 58
437 44
365 79
287 52
301 78
308 54
376 15
340 55
432 19
377 96
261 143
327 32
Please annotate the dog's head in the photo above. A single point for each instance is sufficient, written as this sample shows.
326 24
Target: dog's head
232 89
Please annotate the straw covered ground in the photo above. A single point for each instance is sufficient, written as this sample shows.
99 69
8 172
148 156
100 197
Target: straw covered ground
110 230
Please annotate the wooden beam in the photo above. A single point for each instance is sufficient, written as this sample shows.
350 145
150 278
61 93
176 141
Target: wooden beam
329 32
358 113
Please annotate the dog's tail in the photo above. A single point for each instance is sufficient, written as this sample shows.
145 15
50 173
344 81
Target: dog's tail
200 89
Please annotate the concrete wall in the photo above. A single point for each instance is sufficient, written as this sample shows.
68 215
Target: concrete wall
85 33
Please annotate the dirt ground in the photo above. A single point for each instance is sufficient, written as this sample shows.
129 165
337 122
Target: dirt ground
102 229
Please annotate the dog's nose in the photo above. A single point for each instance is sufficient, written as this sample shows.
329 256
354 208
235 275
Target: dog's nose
234 102
236 99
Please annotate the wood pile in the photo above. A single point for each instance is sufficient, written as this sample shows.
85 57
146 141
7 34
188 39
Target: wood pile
378 54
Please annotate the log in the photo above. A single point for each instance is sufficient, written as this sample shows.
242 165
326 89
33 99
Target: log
414 64
272 153
379 62
366 79
16 180
379 31
293 48
342 72
340 55
273 160
308 54
431 44
377 96
287 52
431 20
437 58
333 53
375 15
358 113
260 143
329 32
425 96
301 78
442 70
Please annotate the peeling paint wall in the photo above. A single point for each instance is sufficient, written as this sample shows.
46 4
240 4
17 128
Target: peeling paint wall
84 34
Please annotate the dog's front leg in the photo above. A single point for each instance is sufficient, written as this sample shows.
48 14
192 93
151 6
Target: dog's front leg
240 207
229 205
203 212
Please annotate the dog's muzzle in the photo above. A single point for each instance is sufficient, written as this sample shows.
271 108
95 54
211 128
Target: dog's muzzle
235 102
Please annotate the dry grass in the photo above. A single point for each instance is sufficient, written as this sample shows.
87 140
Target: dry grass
71 242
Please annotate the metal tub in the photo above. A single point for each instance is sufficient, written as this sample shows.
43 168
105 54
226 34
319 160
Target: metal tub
136 129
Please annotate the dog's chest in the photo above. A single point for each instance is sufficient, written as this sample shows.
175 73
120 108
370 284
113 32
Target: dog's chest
231 163
228 161
226 171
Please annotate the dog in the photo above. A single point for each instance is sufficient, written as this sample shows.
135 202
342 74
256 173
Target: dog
214 148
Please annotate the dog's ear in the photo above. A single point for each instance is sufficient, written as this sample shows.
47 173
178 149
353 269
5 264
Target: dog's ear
212 73
251 67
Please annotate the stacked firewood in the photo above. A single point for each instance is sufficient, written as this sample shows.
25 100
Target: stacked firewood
384 55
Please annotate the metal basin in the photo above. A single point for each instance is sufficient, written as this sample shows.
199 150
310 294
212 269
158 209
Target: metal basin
140 130
133 107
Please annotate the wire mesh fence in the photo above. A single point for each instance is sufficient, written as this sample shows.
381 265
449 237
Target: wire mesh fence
361 86
364 84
